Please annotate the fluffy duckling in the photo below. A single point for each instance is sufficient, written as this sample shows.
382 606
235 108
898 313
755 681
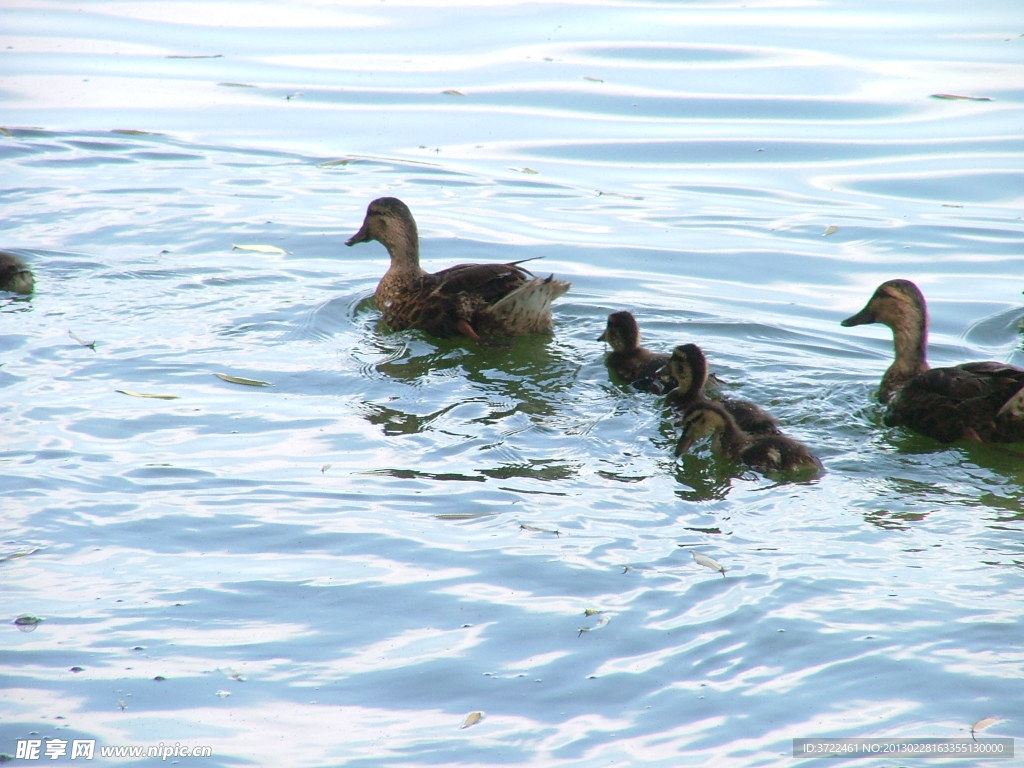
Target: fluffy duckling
15 275
978 401
689 367
774 453
633 363
471 300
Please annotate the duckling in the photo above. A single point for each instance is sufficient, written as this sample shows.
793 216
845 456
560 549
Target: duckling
471 300
15 276
633 363
977 401
773 453
689 367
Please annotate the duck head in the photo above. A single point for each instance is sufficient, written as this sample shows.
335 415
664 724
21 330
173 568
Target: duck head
389 221
622 333
895 303
701 421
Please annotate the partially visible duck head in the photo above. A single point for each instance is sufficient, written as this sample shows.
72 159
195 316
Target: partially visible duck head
15 275
622 332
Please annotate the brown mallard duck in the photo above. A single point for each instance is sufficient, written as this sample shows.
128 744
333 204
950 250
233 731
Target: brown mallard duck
977 401
775 453
633 363
689 367
15 275
470 300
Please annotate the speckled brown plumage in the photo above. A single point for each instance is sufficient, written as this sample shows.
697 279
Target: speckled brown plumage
473 300
631 362
975 401
689 367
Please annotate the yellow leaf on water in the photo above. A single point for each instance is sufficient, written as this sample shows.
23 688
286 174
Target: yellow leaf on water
529 171
332 163
957 97
258 248
472 719
452 92
830 230
707 562
146 394
984 723
240 380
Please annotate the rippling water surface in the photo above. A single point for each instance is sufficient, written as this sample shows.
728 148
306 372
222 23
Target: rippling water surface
339 568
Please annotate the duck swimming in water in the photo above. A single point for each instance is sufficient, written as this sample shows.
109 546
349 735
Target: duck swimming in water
471 300
689 367
977 401
773 453
633 363
15 276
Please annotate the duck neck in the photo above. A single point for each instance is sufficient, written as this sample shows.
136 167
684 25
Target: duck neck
404 249
910 342
730 440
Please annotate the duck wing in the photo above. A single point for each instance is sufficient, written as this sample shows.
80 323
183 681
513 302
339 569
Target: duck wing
963 401
486 282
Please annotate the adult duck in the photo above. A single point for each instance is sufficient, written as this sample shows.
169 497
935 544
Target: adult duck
688 366
774 453
15 276
471 300
633 363
977 401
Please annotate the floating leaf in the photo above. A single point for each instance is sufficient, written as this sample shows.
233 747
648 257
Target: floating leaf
22 553
330 163
324 468
472 719
27 621
5 131
982 724
146 394
957 97
528 171
830 230
452 92
462 515
592 612
90 344
707 562
206 56
234 674
259 248
236 85
593 79
241 380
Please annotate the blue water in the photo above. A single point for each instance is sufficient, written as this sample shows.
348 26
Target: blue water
337 569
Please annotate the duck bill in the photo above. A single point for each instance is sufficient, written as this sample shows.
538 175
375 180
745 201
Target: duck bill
863 317
362 236
603 336
685 443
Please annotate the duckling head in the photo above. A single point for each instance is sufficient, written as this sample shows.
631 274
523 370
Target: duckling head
390 222
699 422
688 367
895 303
622 332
